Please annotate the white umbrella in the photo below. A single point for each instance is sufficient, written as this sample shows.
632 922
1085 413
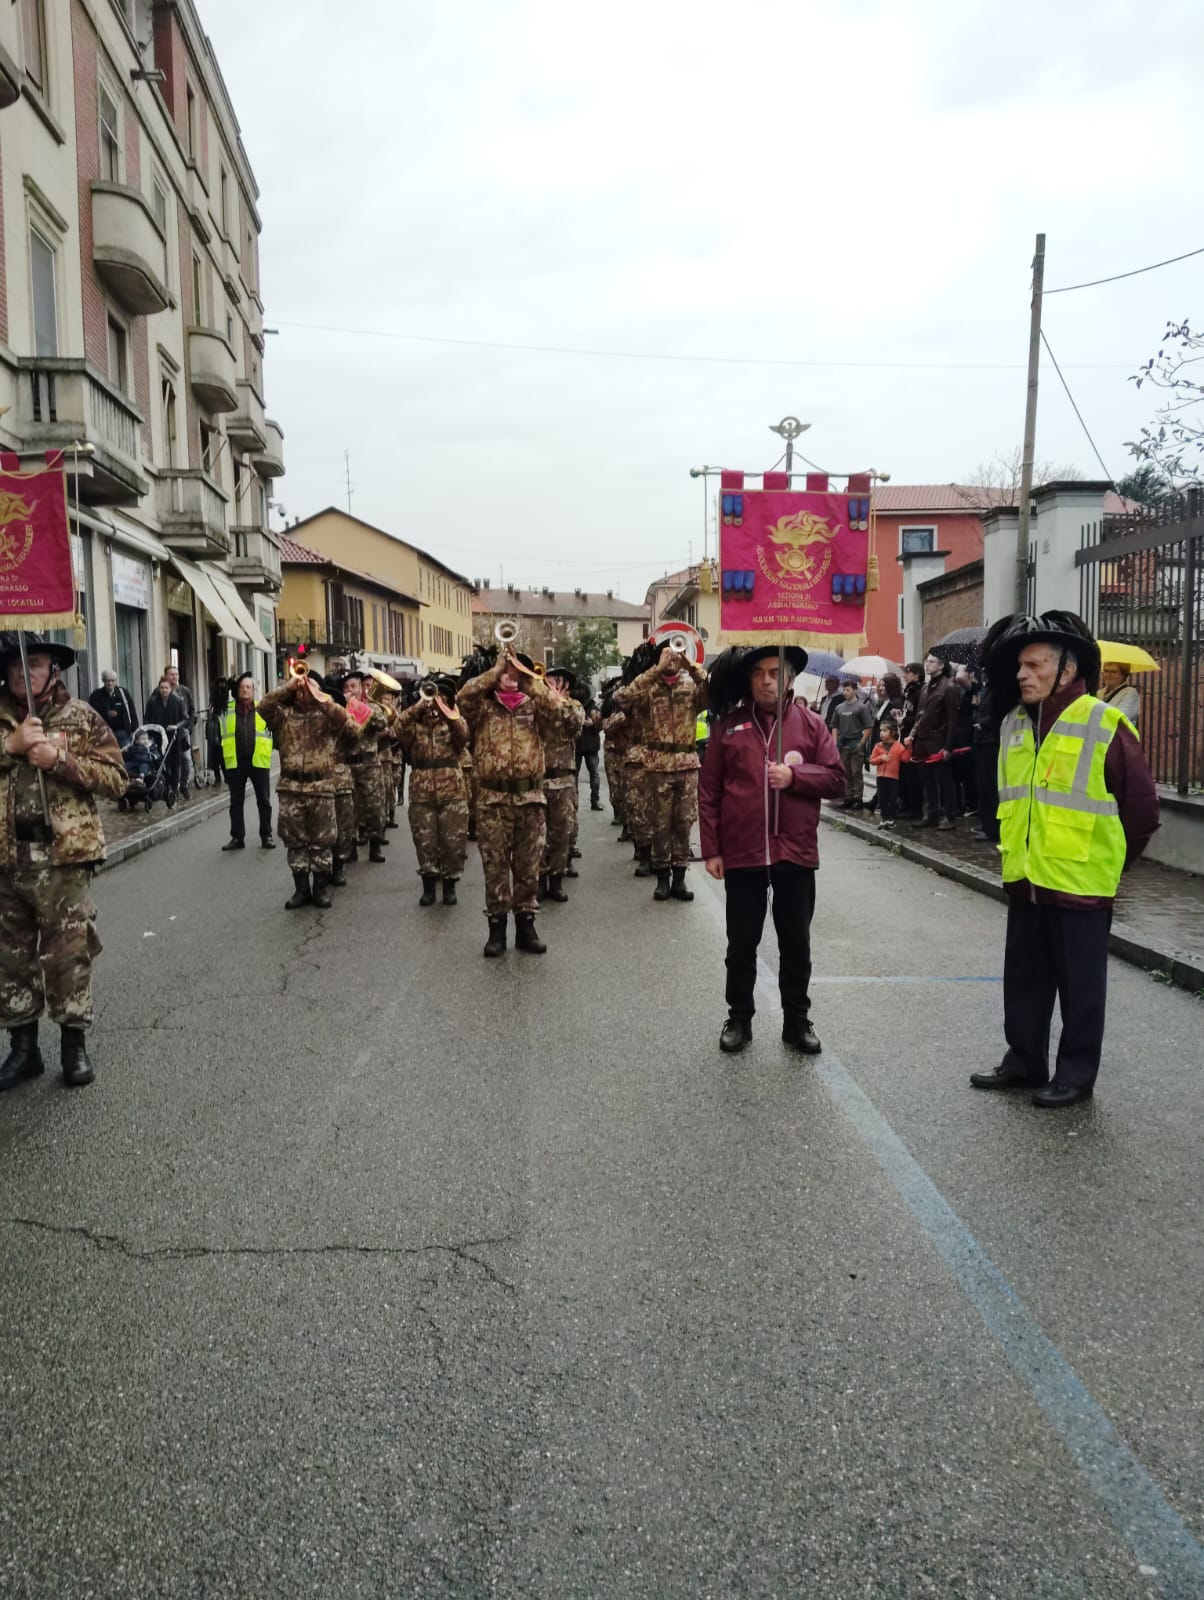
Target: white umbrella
870 667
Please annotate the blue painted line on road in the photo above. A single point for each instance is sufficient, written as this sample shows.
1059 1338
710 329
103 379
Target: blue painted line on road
1142 1515
877 978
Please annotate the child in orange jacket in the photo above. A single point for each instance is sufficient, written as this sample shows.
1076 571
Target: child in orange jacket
886 758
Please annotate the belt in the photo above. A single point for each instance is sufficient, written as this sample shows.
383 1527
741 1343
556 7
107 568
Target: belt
430 766
33 833
305 777
511 785
671 749
561 772
364 761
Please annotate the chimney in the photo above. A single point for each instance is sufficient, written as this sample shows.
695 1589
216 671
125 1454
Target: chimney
578 593
610 594
486 582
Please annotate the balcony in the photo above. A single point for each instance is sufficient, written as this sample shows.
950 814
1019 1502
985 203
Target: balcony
192 514
213 370
255 560
248 427
128 249
269 461
62 402
308 630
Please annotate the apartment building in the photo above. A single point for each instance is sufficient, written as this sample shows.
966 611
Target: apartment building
131 331
544 614
330 611
442 634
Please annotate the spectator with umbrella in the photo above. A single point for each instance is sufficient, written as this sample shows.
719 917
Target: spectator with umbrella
1120 661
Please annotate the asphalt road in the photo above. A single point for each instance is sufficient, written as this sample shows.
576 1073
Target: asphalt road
369 1268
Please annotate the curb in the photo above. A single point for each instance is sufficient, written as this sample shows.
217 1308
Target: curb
1169 966
161 832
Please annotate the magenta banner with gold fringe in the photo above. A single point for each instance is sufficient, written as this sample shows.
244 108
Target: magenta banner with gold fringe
37 583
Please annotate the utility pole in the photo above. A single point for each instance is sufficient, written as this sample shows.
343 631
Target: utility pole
1030 429
347 470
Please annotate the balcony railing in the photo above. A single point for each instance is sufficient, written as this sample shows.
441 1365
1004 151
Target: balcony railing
248 426
192 513
270 459
64 402
213 370
309 630
255 558
128 249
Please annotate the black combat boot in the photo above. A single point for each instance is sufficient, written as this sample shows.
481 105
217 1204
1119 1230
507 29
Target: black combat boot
321 896
301 895
555 888
338 878
570 871
376 851
427 897
735 1035
525 937
393 822
496 945
661 892
799 1034
73 1051
679 890
645 868
625 836
355 853
24 1059
574 854
541 887
449 892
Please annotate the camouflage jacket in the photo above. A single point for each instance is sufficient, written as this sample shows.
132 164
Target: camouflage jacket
507 746
92 766
560 746
307 733
618 734
635 728
372 730
670 713
433 747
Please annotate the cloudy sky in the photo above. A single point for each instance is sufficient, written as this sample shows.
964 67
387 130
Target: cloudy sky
706 216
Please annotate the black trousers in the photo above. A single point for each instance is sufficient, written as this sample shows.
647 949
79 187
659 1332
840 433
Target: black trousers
888 798
1054 954
986 773
940 798
590 757
747 891
237 777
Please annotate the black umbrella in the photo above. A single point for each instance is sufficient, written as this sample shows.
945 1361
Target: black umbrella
963 645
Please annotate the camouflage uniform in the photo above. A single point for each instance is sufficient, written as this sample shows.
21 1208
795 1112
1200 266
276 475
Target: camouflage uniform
670 713
390 762
635 792
560 784
307 736
48 937
367 772
438 808
468 773
344 793
614 755
508 761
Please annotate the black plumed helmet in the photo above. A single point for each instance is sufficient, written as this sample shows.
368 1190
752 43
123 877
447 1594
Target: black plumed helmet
35 644
1008 637
727 682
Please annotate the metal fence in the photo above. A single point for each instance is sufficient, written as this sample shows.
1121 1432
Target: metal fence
1141 582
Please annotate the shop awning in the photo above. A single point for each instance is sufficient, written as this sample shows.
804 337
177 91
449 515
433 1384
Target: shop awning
238 608
123 532
198 579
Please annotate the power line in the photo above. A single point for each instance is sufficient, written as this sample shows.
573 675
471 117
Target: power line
1136 273
1075 408
660 355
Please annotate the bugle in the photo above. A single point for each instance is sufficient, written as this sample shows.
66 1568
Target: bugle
679 643
505 632
428 691
297 669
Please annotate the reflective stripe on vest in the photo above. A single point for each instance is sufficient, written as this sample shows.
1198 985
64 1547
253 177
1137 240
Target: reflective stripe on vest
261 756
1060 829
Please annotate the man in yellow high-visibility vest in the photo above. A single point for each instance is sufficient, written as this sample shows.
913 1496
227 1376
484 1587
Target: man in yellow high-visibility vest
1077 805
247 757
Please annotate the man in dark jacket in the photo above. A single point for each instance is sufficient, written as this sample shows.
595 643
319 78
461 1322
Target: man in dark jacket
589 746
932 740
760 830
115 706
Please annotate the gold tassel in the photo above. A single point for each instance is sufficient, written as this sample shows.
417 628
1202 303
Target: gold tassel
871 575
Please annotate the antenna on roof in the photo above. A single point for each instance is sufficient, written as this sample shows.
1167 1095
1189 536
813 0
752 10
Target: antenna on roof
347 470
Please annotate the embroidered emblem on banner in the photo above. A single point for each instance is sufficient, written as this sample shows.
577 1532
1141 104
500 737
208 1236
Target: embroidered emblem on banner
16 531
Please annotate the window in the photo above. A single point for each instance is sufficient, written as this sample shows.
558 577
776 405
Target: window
110 134
170 438
159 207
198 308
33 37
191 112
917 541
209 448
118 356
44 263
224 202
229 329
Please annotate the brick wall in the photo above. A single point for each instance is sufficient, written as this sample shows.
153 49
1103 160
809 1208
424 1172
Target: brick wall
87 132
952 601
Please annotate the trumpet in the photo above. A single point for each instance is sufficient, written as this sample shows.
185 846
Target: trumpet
297 669
428 691
300 671
505 632
679 643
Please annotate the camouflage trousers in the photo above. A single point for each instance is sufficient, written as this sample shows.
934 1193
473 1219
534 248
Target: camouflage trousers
636 801
48 942
369 780
511 840
307 825
672 813
389 770
439 829
344 817
613 764
561 828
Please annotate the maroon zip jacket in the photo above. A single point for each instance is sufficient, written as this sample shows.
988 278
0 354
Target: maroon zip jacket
735 802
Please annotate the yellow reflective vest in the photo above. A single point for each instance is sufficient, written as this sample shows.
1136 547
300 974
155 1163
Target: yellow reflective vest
1059 828
262 754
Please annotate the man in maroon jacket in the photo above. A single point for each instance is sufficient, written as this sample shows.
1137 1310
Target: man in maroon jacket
741 777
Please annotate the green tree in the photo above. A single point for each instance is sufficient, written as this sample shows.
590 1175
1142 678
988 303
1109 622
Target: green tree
586 648
1146 485
1174 441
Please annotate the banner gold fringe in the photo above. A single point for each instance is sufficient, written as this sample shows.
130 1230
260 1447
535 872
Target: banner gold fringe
39 622
841 643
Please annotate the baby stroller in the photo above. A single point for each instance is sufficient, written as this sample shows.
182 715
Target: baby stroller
152 760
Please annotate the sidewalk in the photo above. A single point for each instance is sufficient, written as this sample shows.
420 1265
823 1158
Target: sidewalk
129 833
1159 919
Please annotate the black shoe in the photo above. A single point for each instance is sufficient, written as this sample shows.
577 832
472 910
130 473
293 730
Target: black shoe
355 853
376 852
798 1033
525 937
24 1059
555 889
267 842
185 794
301 895
661 892
392 823
1056 1095
427 897
595 805
78 1071
617 822
496 945
235 844
574 854
625 836
679 890
338 878
999 1079
449 892
541 887
924 822
645 868
737 1032
570 871
946 824
321 893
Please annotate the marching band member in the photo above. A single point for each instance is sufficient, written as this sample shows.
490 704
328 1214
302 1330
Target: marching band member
307 724
560 779
367 774
432 734
635 763
670 694
613 745
509 712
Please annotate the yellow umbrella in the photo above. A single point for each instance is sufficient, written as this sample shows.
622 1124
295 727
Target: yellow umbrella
1130 656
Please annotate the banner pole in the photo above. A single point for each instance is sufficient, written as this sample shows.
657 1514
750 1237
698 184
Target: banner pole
777 793
29 711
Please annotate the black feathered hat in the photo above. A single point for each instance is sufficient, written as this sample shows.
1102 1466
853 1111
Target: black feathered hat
35 644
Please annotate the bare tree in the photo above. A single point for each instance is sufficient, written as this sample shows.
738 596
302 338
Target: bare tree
997 482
